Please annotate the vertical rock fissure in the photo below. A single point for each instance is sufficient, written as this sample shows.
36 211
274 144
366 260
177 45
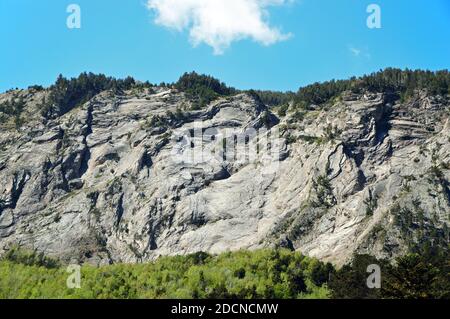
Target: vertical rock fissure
86 155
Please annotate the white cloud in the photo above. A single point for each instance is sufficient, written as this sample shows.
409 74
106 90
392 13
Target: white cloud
360 52
218 23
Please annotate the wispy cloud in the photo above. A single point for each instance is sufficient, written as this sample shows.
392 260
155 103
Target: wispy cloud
359 52
219 23
355 51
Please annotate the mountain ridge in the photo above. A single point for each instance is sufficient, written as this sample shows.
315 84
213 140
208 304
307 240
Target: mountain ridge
95 177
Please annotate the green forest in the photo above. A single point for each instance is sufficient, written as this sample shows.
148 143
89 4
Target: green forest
404 83
266 274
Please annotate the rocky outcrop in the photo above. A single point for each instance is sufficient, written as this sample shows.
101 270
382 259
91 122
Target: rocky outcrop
128 178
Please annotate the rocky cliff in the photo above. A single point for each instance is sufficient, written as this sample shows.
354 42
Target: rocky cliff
132 176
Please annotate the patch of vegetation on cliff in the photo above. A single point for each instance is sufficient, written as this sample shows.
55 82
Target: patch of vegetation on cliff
324 192
66 94
403 83
12 109
202 89
276 98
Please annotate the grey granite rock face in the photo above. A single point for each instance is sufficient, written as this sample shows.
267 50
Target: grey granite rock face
119 178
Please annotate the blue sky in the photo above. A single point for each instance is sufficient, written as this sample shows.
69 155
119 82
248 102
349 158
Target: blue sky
328 39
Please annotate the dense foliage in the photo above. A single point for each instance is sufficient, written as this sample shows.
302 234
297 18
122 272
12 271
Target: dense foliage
402 82
65 94
424 274
275 98
243 274
267 274
29 258
202 89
